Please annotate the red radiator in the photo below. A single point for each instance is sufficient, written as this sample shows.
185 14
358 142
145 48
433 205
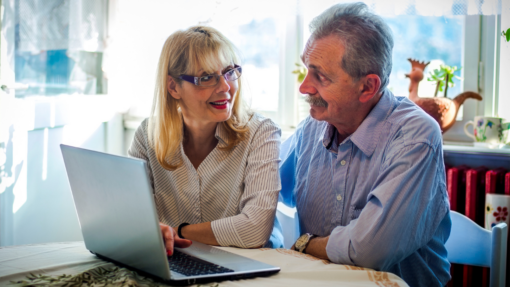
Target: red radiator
467 187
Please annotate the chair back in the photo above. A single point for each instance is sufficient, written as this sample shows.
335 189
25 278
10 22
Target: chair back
289 222
471 244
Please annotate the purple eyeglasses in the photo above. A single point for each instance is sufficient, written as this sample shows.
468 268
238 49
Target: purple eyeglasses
213 79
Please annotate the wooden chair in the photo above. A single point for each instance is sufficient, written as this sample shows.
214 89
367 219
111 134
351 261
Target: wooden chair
471 244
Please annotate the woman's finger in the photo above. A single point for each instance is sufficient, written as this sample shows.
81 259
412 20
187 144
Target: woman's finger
168 237
182 243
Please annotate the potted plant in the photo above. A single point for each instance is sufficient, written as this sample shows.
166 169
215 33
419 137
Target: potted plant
506 34
301 72
444 78
442 109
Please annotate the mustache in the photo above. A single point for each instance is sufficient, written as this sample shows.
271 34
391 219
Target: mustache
316 100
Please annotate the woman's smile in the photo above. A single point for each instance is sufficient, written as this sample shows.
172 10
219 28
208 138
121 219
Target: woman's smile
220 105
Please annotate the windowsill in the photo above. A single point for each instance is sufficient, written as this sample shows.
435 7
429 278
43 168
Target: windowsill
469 148
39 112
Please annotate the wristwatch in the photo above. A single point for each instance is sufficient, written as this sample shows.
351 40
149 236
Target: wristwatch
303 241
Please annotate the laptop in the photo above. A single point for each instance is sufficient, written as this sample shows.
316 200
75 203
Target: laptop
115 205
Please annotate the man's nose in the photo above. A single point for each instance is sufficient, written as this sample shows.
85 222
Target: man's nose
223 85
307 87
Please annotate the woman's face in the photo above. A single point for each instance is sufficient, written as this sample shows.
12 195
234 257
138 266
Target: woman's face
203 105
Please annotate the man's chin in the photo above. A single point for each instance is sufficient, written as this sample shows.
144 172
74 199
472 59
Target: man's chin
317 113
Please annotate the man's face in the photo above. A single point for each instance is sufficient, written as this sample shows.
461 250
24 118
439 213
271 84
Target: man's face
332 94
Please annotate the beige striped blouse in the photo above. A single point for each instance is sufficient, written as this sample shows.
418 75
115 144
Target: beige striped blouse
237 191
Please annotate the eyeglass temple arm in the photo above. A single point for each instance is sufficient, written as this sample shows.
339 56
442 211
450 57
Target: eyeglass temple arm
191 79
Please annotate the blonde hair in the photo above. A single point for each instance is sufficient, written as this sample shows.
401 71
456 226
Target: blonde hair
186 52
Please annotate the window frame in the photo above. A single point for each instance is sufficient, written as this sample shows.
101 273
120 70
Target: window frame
480 50
290 51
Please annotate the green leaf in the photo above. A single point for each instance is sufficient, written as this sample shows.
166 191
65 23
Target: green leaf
441 85
508 35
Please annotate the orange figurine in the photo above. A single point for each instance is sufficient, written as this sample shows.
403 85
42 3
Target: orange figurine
442 109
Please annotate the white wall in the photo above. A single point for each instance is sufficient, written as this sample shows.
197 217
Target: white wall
36 203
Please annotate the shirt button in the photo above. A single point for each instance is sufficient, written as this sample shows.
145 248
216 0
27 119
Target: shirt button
342 162
339 197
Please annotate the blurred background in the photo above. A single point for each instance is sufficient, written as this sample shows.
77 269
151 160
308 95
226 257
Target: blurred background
82 72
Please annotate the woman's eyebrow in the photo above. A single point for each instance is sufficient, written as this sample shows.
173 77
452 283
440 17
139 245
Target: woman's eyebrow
229 67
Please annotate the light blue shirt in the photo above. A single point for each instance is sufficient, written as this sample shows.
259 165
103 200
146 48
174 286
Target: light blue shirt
380 194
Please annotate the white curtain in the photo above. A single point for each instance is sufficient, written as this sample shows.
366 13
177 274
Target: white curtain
77 25
418 7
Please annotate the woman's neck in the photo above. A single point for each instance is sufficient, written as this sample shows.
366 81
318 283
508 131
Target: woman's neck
199 140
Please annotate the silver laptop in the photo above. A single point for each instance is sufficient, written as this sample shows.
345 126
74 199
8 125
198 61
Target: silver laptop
115 205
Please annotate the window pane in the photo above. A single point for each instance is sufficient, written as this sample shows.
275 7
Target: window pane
58 47
250 25
256 33
435 39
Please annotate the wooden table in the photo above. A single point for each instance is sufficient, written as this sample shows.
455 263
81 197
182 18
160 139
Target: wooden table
45 262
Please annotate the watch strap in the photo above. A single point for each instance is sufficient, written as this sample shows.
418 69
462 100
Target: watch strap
179 229
310 236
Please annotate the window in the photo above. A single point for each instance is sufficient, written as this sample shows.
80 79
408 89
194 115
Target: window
437 40
58 47
271 41
465 41
256 32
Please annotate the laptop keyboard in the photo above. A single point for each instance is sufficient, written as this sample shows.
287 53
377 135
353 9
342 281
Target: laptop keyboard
192 266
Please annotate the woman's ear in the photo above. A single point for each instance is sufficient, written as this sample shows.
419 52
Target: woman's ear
173 88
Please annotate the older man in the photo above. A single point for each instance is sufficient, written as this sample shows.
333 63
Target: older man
366 170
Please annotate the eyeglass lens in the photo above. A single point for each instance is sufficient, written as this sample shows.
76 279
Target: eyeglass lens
230 75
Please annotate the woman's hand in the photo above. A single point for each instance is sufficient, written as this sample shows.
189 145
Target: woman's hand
171 238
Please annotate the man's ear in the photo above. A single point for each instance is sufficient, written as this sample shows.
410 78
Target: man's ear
173 88
371 84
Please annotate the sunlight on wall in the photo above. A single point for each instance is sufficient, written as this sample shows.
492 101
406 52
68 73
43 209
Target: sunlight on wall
52 114
45 155
77 134
14 123
19 170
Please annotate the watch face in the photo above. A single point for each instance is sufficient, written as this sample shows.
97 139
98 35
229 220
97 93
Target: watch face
302 240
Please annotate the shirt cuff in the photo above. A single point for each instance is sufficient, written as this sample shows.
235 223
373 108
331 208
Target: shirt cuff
225 232
338 246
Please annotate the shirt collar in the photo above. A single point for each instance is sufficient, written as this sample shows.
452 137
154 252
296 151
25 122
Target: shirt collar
328 136
221 134
367 135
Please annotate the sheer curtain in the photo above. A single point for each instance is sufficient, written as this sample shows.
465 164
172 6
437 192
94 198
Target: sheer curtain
418 7
58 45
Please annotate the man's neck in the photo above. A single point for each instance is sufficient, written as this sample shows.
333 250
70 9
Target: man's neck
344 130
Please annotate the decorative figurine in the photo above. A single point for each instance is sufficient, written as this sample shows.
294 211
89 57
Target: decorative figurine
442 109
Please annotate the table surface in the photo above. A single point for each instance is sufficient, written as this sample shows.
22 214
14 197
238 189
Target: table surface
45 264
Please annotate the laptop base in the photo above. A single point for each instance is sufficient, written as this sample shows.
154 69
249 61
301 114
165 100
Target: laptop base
191 281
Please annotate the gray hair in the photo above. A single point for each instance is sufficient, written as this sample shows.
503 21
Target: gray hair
367 39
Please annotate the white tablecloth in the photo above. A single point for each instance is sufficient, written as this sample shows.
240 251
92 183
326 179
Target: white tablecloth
45 262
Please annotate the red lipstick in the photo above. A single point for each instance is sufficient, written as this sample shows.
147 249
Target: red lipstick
220 105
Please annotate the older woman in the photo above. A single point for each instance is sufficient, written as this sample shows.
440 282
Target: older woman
212 162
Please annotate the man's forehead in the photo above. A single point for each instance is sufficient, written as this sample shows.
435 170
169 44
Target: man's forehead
322 53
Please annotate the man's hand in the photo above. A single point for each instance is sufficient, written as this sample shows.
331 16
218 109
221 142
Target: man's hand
171 238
